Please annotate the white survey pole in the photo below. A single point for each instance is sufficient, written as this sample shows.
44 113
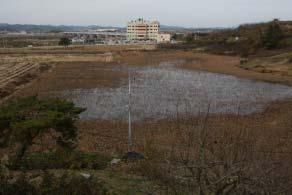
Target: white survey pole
129 120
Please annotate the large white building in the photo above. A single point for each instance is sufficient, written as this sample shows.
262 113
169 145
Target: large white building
142 30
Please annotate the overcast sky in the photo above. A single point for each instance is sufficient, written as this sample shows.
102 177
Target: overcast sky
188 13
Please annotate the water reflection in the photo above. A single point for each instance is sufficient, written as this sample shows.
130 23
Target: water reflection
165 90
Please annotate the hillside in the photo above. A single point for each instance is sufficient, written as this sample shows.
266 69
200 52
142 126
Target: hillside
247 39
62 28
46 28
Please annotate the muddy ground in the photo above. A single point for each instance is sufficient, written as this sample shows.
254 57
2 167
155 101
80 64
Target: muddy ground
86 71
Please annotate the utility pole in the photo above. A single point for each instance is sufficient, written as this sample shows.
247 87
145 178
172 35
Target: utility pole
130 143
131 155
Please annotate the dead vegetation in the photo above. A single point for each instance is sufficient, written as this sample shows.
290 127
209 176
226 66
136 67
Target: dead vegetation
276 64
205 154
86 70
77 49
18 70
221 155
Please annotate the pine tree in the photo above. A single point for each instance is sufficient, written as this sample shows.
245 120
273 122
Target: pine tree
272 36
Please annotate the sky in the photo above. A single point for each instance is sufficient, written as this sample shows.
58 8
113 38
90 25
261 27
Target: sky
186 13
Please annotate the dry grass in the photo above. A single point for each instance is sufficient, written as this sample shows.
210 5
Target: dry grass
18 70
88 71
195 60
73 49
253 149
275 120
255 146
279 64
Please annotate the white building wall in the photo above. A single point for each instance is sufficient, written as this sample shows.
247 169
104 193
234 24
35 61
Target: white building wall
163 38
142 30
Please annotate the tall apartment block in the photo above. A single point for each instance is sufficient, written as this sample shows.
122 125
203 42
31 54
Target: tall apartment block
142 30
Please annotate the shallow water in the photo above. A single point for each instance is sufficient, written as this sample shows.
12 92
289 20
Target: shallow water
164 91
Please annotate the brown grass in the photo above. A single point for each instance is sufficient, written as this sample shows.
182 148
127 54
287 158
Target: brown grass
254 148
77 49
87 71
257 146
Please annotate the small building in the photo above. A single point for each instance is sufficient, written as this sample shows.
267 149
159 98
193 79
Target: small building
78 40
142 30
106 30
163 38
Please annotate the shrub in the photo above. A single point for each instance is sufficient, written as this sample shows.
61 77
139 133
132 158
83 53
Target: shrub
190 38
42 161
79 185
65 184
24 120
272 36
64 41
92 160
59 160
19 187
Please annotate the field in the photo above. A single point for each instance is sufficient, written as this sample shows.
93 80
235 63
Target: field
183 149
18 66
41 39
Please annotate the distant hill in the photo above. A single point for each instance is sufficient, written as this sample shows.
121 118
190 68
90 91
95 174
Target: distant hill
46 28
186 29
34 28
62 28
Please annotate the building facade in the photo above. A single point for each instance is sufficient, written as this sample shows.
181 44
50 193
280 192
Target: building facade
163 38
142 30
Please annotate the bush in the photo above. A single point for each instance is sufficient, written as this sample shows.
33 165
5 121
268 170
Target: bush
64 41
272 36
57 160
19 187
42 161
79 185
92 160
50 184
190 38
24 120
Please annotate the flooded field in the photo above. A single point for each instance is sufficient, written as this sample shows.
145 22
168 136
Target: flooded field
167 90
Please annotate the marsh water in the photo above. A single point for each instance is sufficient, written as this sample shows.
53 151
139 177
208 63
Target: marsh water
167 90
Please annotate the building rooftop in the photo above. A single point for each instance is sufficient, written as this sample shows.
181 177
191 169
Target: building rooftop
142 21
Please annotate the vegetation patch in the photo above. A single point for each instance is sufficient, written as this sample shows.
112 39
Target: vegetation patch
22 121
57 160
51 183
